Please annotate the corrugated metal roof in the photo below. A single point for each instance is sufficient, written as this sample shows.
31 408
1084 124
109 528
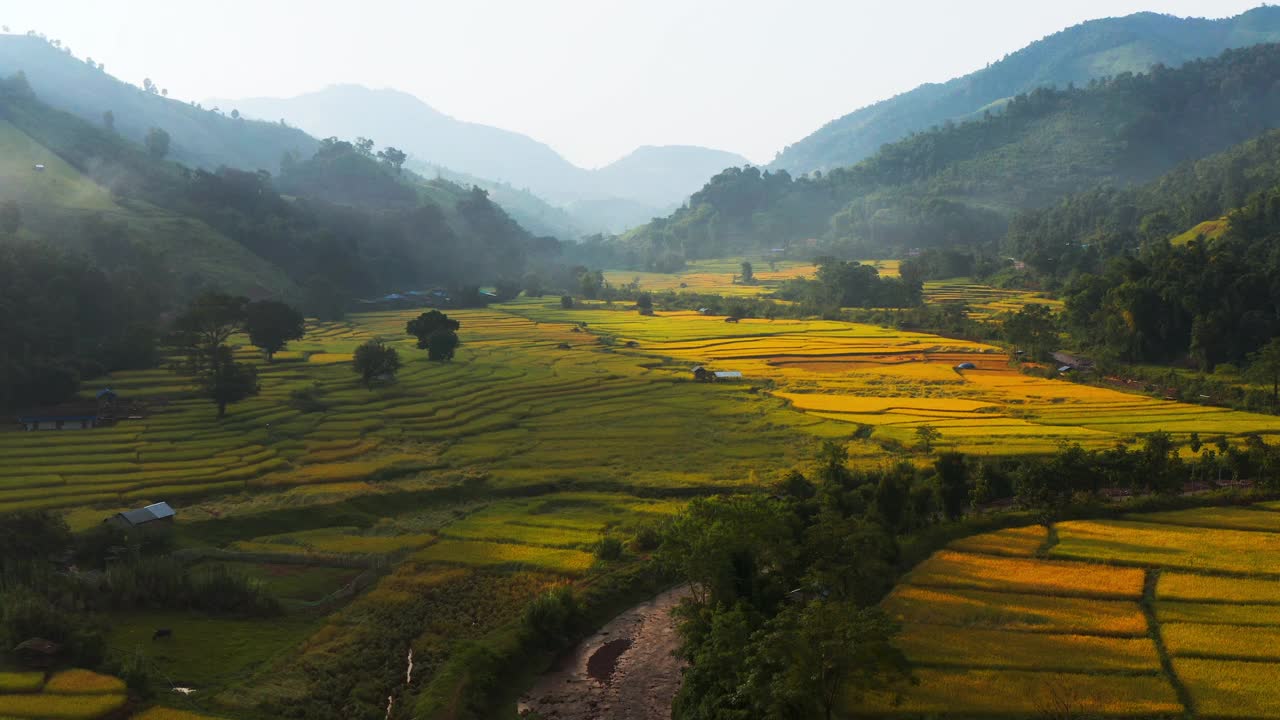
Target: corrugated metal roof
728 374
150 513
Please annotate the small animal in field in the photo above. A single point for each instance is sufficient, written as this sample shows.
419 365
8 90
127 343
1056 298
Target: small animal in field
162 633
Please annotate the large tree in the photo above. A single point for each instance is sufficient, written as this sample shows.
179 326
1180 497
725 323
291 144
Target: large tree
426 324
206 325
375 359
271 324
441 345
226 381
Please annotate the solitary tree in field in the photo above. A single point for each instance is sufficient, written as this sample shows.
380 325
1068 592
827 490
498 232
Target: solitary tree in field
566 302
426 324
271 325
228 381
206 325
157 143
1264 368
928 435
748 273
374 360
441 345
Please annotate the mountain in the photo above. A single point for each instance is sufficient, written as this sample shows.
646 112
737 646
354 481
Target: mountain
648 182
336 225
1095 49
961 183
198 138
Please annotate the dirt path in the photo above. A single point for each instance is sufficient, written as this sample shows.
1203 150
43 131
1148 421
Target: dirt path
626 671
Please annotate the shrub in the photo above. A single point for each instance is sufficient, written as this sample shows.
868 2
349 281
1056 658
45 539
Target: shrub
566 302
551 617
608 549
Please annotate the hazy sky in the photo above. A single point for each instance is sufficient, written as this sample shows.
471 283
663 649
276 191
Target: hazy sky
592 78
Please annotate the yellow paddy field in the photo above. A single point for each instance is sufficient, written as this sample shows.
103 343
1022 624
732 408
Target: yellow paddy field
1169 616
894 381
721 277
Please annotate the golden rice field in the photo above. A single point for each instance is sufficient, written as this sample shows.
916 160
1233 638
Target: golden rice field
894 381
1175 615
64 695
467 488
480 482
722 277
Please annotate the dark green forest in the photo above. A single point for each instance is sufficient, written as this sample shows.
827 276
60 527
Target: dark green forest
961 184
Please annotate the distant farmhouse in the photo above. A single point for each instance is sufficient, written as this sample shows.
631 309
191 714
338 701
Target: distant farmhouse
703 374
156 514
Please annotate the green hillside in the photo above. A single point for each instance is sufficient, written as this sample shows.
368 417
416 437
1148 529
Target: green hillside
56 203
960 184
1100 48
201 137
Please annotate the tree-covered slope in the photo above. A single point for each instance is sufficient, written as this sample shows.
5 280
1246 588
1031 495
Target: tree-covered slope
1095 49
960 184
199 137
648 181
67 208
338 224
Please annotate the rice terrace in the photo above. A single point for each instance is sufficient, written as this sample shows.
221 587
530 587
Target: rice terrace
326 402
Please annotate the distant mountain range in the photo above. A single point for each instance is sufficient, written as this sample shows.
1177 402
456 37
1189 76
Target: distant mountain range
648 182
1095 49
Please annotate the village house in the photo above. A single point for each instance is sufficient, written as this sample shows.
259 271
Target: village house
155 514
82 415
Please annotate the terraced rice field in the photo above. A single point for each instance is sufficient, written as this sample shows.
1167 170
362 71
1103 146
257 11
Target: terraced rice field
68 694
476 484
1177 614
721 277
894 381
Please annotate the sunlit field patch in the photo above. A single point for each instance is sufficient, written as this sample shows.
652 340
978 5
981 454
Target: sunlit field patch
1231 518
83 682
994 693
1171 546
1015 611
569 562
1014 542
1003 649
1234 642
1187 586
985 572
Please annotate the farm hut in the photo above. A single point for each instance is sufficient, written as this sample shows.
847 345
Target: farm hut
727 375
702 374
156 513
966 366
39 167
69 416
1065 369
37 652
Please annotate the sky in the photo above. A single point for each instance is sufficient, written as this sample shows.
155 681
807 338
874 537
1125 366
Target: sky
594 79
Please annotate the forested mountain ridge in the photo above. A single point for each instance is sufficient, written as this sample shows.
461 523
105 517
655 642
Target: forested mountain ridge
645 183
198 137
960 184
353 225
1094 49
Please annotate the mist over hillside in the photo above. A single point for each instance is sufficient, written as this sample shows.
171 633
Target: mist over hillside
649 181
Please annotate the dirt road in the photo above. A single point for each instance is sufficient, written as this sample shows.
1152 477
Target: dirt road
626 671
